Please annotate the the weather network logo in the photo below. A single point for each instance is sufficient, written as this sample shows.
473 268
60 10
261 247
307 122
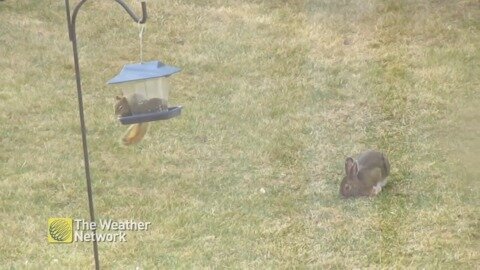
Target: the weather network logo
60 230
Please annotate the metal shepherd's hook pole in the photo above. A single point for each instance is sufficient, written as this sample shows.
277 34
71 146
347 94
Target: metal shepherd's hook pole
71 19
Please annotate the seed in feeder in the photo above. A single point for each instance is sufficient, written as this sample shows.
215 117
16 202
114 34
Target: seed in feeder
137 104
152 105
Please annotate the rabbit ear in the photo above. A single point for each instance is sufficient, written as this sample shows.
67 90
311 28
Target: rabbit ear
354 169
348 164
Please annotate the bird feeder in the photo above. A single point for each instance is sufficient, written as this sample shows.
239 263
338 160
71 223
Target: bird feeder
146 88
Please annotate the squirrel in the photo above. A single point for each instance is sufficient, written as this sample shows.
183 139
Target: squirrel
136 104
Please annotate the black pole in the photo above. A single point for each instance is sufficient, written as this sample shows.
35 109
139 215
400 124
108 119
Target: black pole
71 19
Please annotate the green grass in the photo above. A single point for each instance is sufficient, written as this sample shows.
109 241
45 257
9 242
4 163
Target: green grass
276 94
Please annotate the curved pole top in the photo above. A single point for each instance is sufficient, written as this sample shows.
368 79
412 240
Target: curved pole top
143 19
71 22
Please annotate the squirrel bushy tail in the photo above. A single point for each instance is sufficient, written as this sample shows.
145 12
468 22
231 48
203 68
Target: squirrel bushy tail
135 133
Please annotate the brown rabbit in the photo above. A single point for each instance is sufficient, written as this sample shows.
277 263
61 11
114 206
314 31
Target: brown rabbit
365 176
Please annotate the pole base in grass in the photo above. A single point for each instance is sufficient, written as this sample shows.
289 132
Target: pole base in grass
149 117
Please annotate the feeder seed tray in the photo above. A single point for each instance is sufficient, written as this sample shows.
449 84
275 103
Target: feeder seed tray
149 117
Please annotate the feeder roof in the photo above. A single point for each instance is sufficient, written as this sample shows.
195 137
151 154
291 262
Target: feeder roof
143 71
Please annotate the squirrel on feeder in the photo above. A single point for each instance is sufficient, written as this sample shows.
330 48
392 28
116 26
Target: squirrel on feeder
135 103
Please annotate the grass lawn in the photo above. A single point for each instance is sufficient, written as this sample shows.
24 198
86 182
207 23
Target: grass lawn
276 94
